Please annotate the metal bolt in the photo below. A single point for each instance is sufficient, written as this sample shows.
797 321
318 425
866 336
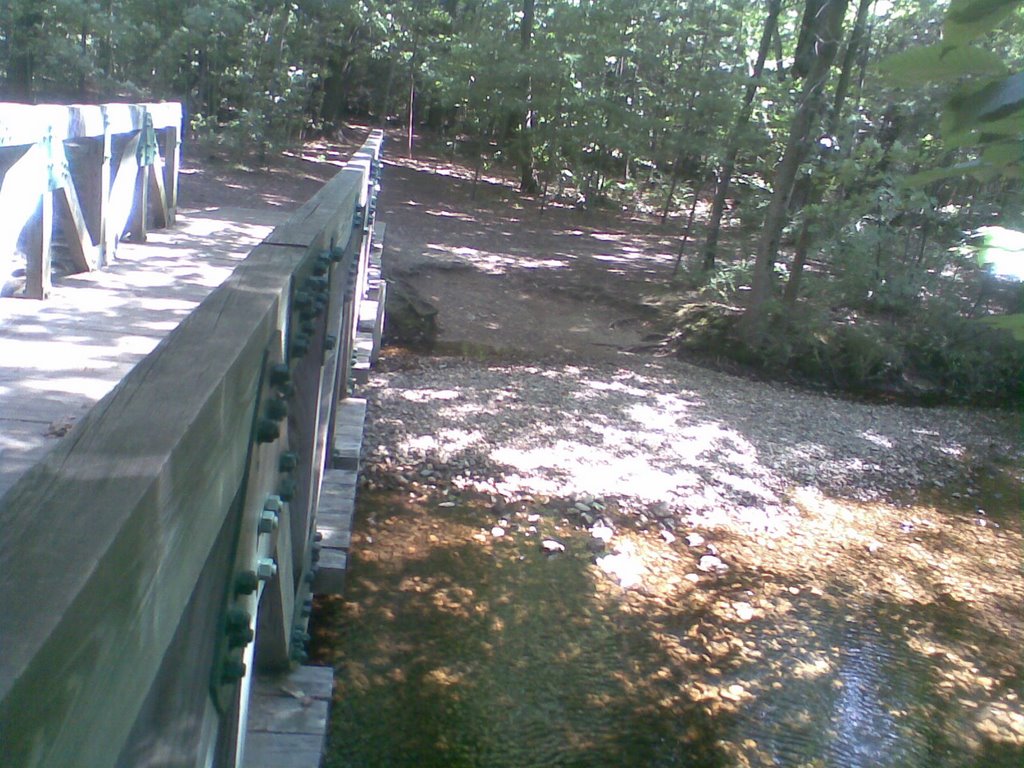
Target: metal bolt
337 252
318 536
277 409
232 671
280 375
330 341
301 637
246 583
322 264
239 627
287 489
310 576
300 345
288 461
299 656
269 521
302 299
307 607
241 638
266 568
273 503
267 431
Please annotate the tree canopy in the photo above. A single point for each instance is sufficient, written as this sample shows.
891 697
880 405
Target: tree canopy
831 163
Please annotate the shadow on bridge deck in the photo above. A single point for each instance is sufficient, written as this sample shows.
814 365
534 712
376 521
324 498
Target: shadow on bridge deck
60 356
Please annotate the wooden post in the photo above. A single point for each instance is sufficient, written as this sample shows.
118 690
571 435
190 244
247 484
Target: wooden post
106 246
76 231
39 231
172 160
140 209
156 176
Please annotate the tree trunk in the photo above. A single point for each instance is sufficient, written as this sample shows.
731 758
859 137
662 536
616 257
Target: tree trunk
826 34
803 240
742 119
527 171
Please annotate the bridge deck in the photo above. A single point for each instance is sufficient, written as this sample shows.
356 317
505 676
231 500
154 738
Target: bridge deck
59 357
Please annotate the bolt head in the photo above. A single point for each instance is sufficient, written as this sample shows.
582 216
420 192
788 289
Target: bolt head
287 489
246 583
267 431
277 409
269 521
288 461
280 375
232 671
266 569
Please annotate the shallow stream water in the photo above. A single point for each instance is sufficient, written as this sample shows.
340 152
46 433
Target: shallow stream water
456 647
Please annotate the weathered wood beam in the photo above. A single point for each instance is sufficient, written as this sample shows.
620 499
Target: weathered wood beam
84 253
103 541
22 124
122 194
38 266
22 186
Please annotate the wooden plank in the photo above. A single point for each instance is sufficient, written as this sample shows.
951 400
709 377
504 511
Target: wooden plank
165 114
330 576
84 252
38 281
283 750
286 714
152 470
325 218
158 207
172 161
138 221
23 185
348 433
22 124
335 527
122 194
106 251
303 681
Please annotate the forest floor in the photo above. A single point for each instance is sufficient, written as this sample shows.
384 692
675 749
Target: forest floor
768 540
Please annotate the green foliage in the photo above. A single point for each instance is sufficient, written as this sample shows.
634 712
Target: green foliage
986 106
938 63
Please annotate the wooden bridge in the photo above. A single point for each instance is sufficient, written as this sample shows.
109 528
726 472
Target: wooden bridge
157 562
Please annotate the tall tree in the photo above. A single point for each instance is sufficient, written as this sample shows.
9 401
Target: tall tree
728 166
825 28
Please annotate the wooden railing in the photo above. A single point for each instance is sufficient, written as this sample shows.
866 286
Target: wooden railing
176 520
101 171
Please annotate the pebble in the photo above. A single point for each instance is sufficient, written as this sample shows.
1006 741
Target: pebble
552 546
711 563
695 540
668 536
733 692
602 532
744 611
497 531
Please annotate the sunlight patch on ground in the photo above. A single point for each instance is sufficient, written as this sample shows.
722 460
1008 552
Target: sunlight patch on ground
488 262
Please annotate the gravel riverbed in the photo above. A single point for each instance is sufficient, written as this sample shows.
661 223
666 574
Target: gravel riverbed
664 440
